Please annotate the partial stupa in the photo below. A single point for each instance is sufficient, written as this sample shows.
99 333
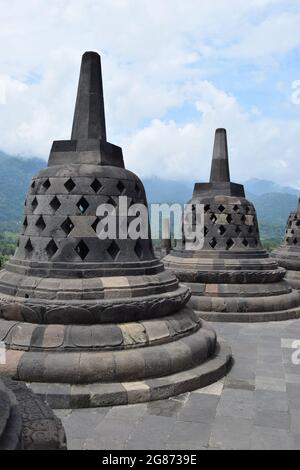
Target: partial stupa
288 254
90 322
26 422
232 278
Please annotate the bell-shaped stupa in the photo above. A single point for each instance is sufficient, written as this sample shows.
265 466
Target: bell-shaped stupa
89 321
288 254
232 278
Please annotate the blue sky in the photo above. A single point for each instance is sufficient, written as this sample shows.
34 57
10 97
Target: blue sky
173 72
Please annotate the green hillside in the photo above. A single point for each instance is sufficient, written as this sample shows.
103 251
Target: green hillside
15 174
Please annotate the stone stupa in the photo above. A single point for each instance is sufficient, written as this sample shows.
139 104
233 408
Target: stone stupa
232 278
288 254
90 322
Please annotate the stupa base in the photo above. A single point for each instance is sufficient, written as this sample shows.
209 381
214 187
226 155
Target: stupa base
87 366
293 278
65 396
247 309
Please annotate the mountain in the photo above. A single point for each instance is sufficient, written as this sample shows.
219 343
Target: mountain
272 201
15 175
260 187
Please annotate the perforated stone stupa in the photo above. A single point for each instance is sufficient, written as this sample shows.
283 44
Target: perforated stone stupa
90 322
288 254
232 278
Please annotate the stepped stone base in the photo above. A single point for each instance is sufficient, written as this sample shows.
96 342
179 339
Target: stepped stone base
65 396
81 366
26 422
249 287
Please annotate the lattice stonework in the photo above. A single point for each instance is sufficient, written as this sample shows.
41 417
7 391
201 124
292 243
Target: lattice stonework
292 232
61 212
230 226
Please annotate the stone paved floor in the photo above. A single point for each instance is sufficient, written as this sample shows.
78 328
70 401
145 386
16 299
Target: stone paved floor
257 406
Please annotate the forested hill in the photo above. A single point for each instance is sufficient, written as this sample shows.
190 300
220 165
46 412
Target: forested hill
273 202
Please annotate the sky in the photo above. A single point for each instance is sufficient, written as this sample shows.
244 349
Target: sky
173 72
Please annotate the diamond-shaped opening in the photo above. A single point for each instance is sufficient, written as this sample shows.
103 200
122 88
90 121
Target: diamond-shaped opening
28 246
51 248
235 208
96 185
138 249
206 207
40 223
243 218
121 187
298 223
238 231
229 244
67 226
34 203
245 242
229 219
82 205
112 202
82 250
33 184
205 231
46 184
250 230
292 232
213 218
213 243
295 241
222 230
113 250
255 242
221 208
69 185
25 223
95 224
55 203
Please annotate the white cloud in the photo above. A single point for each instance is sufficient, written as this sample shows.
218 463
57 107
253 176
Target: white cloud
158 57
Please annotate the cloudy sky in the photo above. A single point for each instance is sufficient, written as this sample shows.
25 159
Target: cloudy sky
173 72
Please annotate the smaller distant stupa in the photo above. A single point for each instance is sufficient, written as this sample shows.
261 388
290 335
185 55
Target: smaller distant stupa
232 278
288 254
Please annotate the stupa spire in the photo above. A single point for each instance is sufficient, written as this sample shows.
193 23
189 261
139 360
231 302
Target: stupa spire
89 115
220 166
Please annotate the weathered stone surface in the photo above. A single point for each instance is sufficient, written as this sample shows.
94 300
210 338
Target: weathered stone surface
26 422
88 321
288 254
232 278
